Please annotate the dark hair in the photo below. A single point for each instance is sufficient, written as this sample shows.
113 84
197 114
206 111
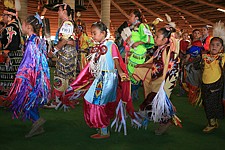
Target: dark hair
195 30
33 21
138 14
217 38
2 23
100 25
167 32
68 9
13 11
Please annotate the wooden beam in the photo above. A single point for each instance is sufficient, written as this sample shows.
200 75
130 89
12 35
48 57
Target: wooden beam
208 4
175 1
148 10
185 12
120 9
95 8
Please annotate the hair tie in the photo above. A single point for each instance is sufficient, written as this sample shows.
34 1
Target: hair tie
37 16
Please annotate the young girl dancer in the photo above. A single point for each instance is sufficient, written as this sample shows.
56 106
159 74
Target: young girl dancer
101 96
31 87
212 83
162 67
104 81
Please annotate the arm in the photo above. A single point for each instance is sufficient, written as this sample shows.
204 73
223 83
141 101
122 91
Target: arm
145 65
57 47
116 56
187 58
122 75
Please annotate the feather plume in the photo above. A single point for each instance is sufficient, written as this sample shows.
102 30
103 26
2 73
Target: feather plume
17 5
156 21
219 31
169 20
208 26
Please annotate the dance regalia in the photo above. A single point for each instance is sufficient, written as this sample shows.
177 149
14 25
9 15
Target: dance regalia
212 85
103 88
140 32
66 64
193 71
31 87
159 81
206 43
84 43
10 42
183 48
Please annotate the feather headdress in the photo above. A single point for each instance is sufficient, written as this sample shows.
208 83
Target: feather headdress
169 20
219 31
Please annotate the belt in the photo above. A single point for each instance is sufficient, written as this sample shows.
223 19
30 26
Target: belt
139 57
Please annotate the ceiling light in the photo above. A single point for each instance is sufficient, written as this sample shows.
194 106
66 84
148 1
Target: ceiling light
220 9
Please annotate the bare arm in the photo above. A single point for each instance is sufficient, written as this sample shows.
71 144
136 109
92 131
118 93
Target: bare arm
122 75
145 65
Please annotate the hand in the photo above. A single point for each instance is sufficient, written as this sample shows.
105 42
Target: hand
50 54
135 44
128 39
61 43
124 77
129 53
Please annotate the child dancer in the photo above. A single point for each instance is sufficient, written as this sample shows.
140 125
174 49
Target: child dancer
192 67
184 43
101 81
162 67
140 40
212 83
101 95
31 87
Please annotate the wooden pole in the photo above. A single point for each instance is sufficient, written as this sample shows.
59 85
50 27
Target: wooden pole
105 12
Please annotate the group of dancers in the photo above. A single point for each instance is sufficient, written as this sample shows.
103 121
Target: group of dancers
105 80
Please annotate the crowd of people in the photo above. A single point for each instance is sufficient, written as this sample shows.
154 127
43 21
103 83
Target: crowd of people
93 68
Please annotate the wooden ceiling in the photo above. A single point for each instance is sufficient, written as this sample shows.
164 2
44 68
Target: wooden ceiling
188 14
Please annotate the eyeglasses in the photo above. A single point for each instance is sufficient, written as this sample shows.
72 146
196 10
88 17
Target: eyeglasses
4 15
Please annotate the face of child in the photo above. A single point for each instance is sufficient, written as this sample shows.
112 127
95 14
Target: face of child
185 36
204 31
132 18
215 47
196 35
159 39
97 34
24 28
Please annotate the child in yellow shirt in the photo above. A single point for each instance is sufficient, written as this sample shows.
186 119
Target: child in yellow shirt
212 83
